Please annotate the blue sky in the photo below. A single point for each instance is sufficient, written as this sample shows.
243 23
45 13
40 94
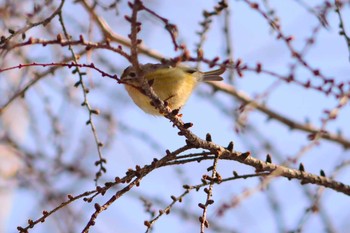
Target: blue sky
253 42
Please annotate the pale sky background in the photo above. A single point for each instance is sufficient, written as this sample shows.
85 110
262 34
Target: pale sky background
252 42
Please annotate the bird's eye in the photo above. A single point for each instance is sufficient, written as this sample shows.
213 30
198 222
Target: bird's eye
132 74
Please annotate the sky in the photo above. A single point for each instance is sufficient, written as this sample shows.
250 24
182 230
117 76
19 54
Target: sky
253 42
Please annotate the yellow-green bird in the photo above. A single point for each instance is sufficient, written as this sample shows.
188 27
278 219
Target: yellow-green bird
171 84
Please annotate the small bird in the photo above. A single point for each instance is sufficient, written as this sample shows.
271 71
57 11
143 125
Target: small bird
173 84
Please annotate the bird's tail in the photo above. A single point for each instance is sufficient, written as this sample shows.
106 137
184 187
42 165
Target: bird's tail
213 75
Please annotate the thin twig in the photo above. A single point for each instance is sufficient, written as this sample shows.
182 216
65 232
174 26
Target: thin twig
100 163
342 32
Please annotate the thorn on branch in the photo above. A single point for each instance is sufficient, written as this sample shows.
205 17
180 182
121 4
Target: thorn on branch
77 84
97 207
201 219
230 146
235 174
254 5
81 39
268 158
244 155
322 173
210 202
147 224
127 18
208 137
95 111
210 168
3 39
188 125
180 133
150 82
258 67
